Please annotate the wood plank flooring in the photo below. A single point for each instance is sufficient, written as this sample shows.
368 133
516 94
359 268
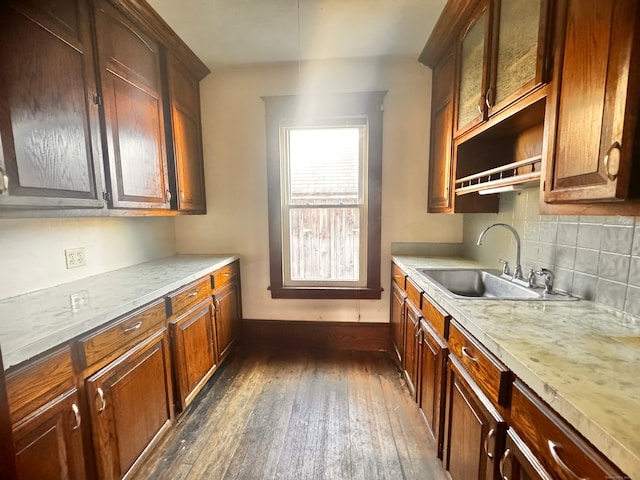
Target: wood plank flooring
299 415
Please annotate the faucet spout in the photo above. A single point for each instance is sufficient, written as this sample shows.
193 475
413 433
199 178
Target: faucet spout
517 273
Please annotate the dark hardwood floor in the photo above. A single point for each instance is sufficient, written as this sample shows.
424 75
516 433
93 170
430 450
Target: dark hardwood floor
299 415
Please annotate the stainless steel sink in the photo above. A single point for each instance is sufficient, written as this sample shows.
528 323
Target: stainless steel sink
485 284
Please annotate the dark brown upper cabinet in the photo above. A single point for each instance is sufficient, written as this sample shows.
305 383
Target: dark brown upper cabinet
473 55
595 102
50 153
185 142
519 51
440 167
129 62
502 56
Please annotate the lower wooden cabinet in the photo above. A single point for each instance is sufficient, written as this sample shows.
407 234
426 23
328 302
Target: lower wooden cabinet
48 443
474 430
228 316
413 317
556 446
130 403
432 359
398 298
193 351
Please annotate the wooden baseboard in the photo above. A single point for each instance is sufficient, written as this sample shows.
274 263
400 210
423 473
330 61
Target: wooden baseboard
370 337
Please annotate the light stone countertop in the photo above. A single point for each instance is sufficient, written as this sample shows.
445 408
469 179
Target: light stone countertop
35 322
581 358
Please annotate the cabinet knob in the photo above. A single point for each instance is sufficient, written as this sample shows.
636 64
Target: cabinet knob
491 433
487 98
607 161
467 354
76 414
503 461
136 326
4 183
168 193
103 403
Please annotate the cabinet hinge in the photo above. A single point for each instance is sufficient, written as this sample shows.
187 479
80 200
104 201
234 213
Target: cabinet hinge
97 99
106 196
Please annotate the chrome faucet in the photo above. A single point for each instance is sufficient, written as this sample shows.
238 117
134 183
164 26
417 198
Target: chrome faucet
517 273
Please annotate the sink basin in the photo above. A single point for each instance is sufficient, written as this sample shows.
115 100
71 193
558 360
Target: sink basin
485 284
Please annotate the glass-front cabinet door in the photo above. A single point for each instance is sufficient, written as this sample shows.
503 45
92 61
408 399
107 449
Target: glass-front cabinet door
518 50
473 52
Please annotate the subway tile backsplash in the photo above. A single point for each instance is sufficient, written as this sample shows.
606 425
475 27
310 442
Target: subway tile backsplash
594 257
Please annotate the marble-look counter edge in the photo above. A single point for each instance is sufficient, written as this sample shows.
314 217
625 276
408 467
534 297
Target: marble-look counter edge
116 303
558 394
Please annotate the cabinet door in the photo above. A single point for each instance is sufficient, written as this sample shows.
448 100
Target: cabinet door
397 320
518 463
193 348
129 63
474 437
433 356
473 78
518 60
595 101
49 131
48 443
228 317
411 347
130 405
440 166
185 143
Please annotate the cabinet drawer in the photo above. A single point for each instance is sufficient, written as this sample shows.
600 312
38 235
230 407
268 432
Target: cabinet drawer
398 275
186 297
31 386
562 451
493 377
413 292
222 276
113 340
436 317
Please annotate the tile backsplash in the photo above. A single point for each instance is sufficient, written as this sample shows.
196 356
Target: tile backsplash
596 258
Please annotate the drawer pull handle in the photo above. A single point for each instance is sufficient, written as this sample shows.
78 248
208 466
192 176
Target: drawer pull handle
612 175
76 414
503 460
103 403
132 327
193 294
491 433
466 354
487 98
553 448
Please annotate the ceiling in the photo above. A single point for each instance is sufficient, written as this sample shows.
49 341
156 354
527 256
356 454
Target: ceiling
226 33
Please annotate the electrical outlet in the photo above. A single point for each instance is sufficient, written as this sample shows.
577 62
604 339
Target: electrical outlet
79 300
75 257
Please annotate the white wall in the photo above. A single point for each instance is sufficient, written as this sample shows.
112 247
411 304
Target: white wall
235 169
32 250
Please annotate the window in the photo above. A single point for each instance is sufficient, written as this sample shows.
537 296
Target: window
324 171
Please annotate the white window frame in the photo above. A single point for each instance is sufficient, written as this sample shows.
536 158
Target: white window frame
361 123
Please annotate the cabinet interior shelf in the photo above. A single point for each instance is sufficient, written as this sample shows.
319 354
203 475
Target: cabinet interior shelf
523 173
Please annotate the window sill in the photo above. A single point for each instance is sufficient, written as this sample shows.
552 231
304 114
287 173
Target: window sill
327 293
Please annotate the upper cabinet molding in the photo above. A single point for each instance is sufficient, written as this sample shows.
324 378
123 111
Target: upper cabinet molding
142 13
455 14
